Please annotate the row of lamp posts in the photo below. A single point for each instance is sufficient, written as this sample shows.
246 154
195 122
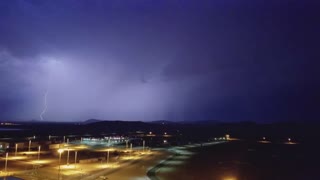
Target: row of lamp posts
60 151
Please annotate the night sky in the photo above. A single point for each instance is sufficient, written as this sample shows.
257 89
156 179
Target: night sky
225 60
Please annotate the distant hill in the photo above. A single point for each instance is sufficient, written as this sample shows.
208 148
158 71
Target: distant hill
163 122
211 122
89 121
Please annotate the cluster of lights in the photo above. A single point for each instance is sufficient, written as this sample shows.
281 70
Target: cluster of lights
265 140
115 138
7 124
220 138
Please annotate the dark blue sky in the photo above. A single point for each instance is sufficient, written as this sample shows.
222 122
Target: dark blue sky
149 60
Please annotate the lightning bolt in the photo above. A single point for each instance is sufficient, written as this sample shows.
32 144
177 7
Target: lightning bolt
45 105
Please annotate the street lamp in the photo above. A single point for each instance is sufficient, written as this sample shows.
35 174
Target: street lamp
127 143
143 144
6 163
60 151
29 145
15 154
39 152
75 158
108 157
68 157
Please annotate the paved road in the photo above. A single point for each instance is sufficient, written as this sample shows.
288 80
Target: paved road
179 155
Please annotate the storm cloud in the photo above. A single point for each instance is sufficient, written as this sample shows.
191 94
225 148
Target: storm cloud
151 60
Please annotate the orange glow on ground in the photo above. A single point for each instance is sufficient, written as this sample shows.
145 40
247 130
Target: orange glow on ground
290 143
233 139
29 152
81 147
16 157
110 165
106 150
229 178
146 153
41 161
70 166
130 157
71 172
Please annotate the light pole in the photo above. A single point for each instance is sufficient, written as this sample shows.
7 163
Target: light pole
143 144
75 158
68 157
126 144
15 154
108 156
39 148
60 151
29 145
6 163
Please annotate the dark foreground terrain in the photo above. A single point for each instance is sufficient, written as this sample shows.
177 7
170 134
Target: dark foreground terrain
242 160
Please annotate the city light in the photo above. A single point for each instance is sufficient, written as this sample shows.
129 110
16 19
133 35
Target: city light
229 178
